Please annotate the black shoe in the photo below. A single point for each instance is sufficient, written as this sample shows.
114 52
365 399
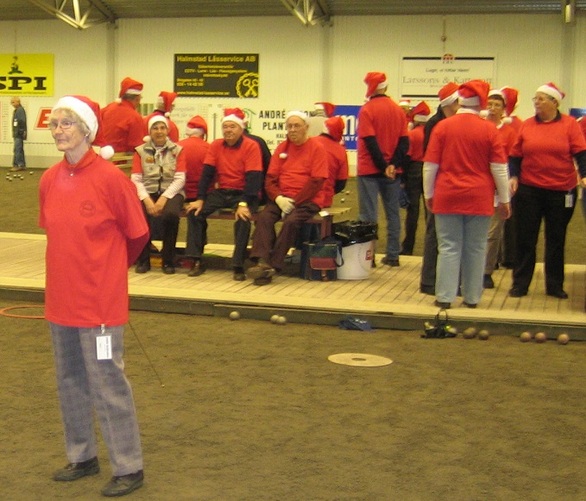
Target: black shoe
427 289
406 253
442 305
168 269
239 275
469 305
73 471
488 282
390 262
196 269
125 484
559 293
142 267
517 292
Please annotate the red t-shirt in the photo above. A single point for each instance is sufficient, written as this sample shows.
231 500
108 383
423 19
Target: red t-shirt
416 143
582 124
464 146
547 150
194 151
383 118
233 162
337 166
122 126
294 165
95 229
508 135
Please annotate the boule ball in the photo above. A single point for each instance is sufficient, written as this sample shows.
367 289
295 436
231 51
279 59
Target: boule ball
563 338
483 335
469 333
282 320
275 319
234 315
540 337
342 200
525 337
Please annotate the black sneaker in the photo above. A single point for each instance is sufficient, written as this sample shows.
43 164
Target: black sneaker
125 484
73 471
488 282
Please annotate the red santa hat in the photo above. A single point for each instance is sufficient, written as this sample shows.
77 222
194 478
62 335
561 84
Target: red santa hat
374 80
165 102
405 102
448 94
552 90
473 93
497 93
195 123
235 115
89 113
157 118
420 113
511 95
130 86
334 126
327 107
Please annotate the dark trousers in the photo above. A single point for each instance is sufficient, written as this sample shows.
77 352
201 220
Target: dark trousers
413 180
197 225
265 242
429 262
168 222
533 205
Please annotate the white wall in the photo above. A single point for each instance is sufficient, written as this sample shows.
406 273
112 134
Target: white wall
298 65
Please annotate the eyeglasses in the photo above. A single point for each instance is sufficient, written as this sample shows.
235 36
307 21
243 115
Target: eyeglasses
542 99
293 126
64 124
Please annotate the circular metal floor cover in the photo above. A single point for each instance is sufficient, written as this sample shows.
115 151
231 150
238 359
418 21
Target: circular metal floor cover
359 360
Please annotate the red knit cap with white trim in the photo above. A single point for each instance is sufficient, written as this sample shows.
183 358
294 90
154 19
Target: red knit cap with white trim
552 90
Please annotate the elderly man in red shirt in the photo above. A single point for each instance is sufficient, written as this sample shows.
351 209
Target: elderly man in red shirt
234 162
122 124
294 186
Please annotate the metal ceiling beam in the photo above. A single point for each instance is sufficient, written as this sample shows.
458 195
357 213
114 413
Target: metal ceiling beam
74 14
309 12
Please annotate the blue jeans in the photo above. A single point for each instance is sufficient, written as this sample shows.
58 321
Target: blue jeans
18 158
461 249
368 190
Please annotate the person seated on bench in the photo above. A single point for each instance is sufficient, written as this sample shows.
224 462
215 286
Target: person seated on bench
294 186
195 148
235 162
158 171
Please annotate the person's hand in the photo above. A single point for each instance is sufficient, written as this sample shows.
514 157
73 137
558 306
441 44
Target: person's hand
504 210
391 172
286 204
149 205
196 207
429 204
160 205
243 212
583 184
513 185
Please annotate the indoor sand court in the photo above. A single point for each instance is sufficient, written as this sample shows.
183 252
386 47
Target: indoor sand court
249 410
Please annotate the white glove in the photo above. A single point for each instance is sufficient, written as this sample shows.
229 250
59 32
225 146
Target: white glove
286 204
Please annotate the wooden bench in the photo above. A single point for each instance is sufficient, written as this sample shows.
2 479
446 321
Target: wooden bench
123 160
324 219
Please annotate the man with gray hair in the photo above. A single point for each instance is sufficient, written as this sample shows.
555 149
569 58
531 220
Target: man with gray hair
295 190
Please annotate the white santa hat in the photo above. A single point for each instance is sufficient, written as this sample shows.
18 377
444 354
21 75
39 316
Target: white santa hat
552 90
152 121
297 113
89 113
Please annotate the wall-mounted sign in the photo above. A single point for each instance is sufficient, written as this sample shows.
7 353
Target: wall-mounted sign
216 75
26 74
423 77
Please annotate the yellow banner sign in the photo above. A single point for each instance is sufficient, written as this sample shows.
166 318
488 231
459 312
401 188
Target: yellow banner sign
26 74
